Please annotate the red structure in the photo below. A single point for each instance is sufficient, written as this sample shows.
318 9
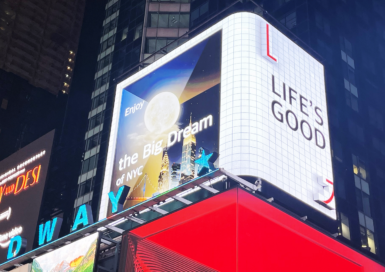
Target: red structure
236 231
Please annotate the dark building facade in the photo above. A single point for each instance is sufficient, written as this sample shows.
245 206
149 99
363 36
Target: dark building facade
345 36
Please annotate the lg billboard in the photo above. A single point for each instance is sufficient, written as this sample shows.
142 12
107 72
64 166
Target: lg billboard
242 89
22 181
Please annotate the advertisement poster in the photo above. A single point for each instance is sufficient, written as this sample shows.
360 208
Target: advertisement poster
166 119
22 181
76 257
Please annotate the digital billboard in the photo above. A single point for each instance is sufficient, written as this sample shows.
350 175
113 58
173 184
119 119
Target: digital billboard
76 257
260 99
22 181
166 119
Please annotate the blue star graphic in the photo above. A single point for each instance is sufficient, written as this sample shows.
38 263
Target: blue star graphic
203 161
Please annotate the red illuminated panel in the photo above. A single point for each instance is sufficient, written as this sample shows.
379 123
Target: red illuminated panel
236 231
204 232
292 241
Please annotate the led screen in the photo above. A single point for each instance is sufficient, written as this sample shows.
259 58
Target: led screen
76 257
166 119
273 122
22 181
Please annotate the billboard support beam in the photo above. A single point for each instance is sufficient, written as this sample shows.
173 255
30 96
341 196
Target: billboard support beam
183 200
137 220
118 230
158 210
212 190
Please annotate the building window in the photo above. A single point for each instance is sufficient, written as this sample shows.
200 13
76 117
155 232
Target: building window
114 8
124 33
110 26
367 232
378 145
92 141
363 195
337 151
100 81
108 43
345 229
155 44
85 187
105 61
169 20
138 32
347 52
322 23
368 63
325 50
95 121
89 164
290 20
375 118
200 11
359 167
356 131
98 100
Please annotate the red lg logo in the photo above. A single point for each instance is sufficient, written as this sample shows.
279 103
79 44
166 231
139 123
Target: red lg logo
267 42
324 193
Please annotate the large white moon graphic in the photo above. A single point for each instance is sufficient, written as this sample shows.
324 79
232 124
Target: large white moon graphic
162 112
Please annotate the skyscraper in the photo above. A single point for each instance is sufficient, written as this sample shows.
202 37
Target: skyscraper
39 40
175 174
164 175
38 47
188 158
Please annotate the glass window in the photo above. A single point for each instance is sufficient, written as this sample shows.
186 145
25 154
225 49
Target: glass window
92 141
92 162
150 46
359 199
369 223
195 14
371 243
366 204
138 32
171 46
291 20
98 82
85 166
173 20
95 121
345 230
110 41
365 187
364 241
184 20
81 189
204 8
124 33
163 20
154 20
105 78
160 43
357 181
98 100
103 46
181 41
